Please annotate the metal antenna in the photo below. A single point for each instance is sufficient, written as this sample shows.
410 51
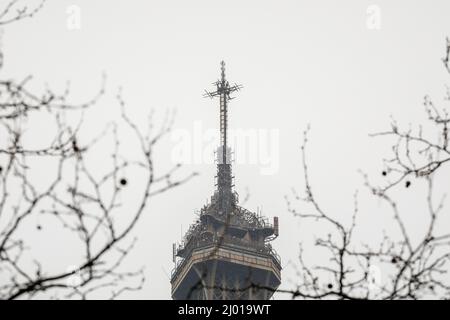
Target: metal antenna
223 90
224 183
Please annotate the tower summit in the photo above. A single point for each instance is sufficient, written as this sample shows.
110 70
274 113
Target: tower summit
226 253
224 194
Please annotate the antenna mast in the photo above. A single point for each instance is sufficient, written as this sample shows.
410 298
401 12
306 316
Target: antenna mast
224 178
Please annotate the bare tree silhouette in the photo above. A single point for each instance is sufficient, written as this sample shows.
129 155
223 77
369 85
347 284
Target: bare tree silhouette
16 10
414 265
86 204
73 194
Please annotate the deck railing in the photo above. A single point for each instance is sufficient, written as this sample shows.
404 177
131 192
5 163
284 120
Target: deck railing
262 249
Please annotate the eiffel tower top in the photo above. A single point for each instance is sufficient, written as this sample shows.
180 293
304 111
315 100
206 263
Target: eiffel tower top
227 240
225 197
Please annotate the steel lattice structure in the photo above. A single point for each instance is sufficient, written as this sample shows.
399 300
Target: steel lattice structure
226 253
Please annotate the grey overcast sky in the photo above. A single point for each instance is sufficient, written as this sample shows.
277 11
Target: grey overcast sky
322 62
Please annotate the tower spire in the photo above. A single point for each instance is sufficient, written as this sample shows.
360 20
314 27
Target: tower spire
222 68
224 191
225 254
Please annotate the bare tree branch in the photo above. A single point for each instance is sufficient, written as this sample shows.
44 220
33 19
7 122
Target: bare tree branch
15 11
417 265
74 194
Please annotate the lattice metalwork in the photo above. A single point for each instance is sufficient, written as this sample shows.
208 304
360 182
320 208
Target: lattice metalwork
227 249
